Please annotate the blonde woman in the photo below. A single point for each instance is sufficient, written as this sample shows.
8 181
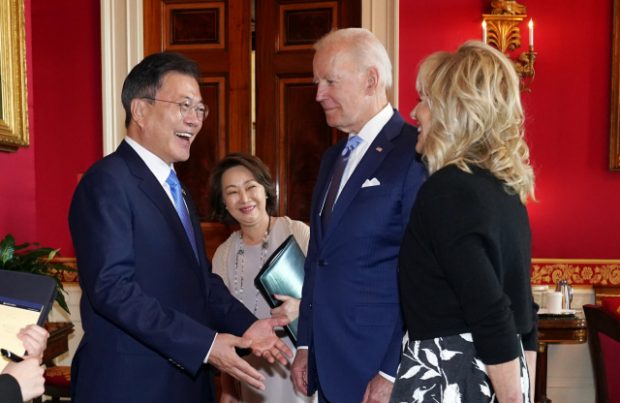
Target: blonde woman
465 258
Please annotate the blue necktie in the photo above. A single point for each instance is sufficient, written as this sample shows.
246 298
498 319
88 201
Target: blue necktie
179 205
334 186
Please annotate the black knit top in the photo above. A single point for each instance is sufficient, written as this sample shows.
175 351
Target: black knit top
465 264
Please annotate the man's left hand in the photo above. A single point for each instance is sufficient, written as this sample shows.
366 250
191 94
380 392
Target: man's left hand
378 390
265 342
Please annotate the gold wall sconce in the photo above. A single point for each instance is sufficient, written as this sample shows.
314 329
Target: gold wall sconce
500 29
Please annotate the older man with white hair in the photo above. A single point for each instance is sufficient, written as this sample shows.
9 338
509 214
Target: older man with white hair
350 325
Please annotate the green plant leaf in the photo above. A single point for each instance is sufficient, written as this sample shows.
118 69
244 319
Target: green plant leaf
7 248
52 253
60 298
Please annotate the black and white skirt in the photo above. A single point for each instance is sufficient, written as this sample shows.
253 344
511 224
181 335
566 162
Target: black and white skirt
446 370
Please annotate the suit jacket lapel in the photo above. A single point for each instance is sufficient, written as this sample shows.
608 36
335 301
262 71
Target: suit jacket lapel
149 185
375 155
324 180
193 215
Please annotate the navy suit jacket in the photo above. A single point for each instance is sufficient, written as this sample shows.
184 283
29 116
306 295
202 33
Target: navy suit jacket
350 316
149 309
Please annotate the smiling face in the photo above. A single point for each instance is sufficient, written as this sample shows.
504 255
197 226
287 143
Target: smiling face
244 198
342 89
422 114
165 132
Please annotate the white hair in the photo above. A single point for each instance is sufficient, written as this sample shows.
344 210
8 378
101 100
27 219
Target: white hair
363 46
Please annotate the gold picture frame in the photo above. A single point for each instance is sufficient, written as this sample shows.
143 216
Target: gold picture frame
614 132
13 90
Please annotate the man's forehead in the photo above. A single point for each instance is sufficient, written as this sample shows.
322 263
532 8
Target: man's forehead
330 60
180 84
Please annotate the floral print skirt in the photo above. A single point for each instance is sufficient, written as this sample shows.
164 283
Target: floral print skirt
446 370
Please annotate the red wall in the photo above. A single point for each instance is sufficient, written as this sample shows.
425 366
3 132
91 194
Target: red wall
17 198
567 113
64 89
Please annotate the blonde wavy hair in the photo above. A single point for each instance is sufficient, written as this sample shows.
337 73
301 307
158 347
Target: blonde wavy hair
476 115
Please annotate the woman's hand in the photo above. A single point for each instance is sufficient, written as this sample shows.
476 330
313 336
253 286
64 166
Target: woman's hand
506 380
29 376
289 307
35 340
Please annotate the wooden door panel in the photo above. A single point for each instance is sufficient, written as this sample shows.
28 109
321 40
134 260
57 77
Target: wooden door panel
194 27
300 153
302 24
291 133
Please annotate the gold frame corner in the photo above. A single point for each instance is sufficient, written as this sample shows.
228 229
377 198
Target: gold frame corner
13 82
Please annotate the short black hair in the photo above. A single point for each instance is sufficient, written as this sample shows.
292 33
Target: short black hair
261 174
146 77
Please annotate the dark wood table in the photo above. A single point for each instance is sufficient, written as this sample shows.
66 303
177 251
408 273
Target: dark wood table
58 342
566 329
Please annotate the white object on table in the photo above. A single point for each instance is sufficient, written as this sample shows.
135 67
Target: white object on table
554 302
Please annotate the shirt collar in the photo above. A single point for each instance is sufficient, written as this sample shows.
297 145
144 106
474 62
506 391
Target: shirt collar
156 165
372 128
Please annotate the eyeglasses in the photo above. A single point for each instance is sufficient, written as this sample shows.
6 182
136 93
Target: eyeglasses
201 110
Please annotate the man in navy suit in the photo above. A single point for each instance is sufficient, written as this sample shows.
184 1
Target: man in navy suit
152 312
350 325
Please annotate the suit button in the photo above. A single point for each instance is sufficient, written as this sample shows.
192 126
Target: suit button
322 263
310 306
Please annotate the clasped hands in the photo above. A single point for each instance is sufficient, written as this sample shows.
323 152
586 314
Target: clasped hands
261 339
29 373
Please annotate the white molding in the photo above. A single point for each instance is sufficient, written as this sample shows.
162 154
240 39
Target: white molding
381 17
122 44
